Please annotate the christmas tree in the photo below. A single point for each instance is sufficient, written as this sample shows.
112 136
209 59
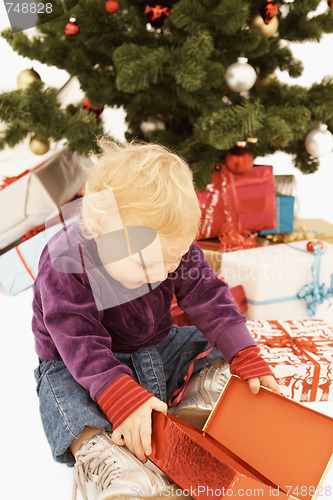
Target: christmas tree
175 69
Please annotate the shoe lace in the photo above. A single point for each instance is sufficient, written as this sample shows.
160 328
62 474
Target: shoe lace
96 466
222 379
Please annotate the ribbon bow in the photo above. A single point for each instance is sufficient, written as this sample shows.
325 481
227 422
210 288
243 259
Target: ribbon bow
231 239
297 344
312 293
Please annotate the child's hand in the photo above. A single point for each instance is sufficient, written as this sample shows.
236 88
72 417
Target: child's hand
266 381
135 430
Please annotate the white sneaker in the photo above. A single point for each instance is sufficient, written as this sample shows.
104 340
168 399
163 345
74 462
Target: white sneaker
201 394
103 471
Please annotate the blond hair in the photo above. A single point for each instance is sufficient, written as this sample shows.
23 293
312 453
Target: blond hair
148 182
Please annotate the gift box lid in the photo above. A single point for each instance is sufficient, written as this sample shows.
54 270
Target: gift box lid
287 443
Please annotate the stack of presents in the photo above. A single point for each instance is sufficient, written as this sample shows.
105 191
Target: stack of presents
281 276
280 273
31 213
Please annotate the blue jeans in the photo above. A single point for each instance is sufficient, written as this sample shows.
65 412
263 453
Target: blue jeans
66 408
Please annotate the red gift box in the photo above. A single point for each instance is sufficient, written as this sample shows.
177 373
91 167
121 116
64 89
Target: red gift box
250 201
262 445
179 318
300 354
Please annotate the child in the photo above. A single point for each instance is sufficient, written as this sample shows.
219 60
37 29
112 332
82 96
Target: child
108 351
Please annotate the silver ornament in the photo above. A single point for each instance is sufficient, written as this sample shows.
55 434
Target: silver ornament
240 76
319 142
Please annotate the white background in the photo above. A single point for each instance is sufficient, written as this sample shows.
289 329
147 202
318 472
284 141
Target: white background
28 468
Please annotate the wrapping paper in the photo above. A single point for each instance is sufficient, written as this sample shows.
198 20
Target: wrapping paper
19 266
27 202
273 276
284 215
251 202
300 354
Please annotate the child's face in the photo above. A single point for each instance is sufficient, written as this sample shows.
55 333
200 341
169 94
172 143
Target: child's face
150 265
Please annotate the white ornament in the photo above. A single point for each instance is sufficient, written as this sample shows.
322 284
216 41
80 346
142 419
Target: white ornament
151 125
240 76
319 142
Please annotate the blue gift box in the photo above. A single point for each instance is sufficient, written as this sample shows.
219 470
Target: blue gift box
19 266
284 215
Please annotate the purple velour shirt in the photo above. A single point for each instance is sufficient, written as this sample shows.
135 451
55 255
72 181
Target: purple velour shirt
82 315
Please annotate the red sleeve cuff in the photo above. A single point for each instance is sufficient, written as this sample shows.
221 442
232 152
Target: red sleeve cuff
121 398
248 364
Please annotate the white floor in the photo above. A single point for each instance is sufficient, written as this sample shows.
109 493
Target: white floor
28 467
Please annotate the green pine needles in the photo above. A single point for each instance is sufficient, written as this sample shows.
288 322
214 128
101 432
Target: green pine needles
176 75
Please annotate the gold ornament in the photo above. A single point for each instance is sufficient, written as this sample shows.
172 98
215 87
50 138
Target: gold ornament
267 30
38 146
264 80
26 77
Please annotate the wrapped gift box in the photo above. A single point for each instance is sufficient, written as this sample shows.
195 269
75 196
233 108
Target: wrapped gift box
179 318
284 215
214 258
27 201
19 266
304 229
319 227
273 276
250 197
300 354
285 185
263 445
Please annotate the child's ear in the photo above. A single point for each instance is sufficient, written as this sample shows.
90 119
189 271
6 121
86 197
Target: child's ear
97 227
94 227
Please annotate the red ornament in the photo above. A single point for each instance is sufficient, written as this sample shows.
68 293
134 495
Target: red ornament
330 4
311 244
111 6
239 160
72 28
86 104
156 12
268 10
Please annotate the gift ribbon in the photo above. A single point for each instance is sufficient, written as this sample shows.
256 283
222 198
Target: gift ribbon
313 293
299 345
33 232
178 393
278 214
29 235
232 238
24 262
6 181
